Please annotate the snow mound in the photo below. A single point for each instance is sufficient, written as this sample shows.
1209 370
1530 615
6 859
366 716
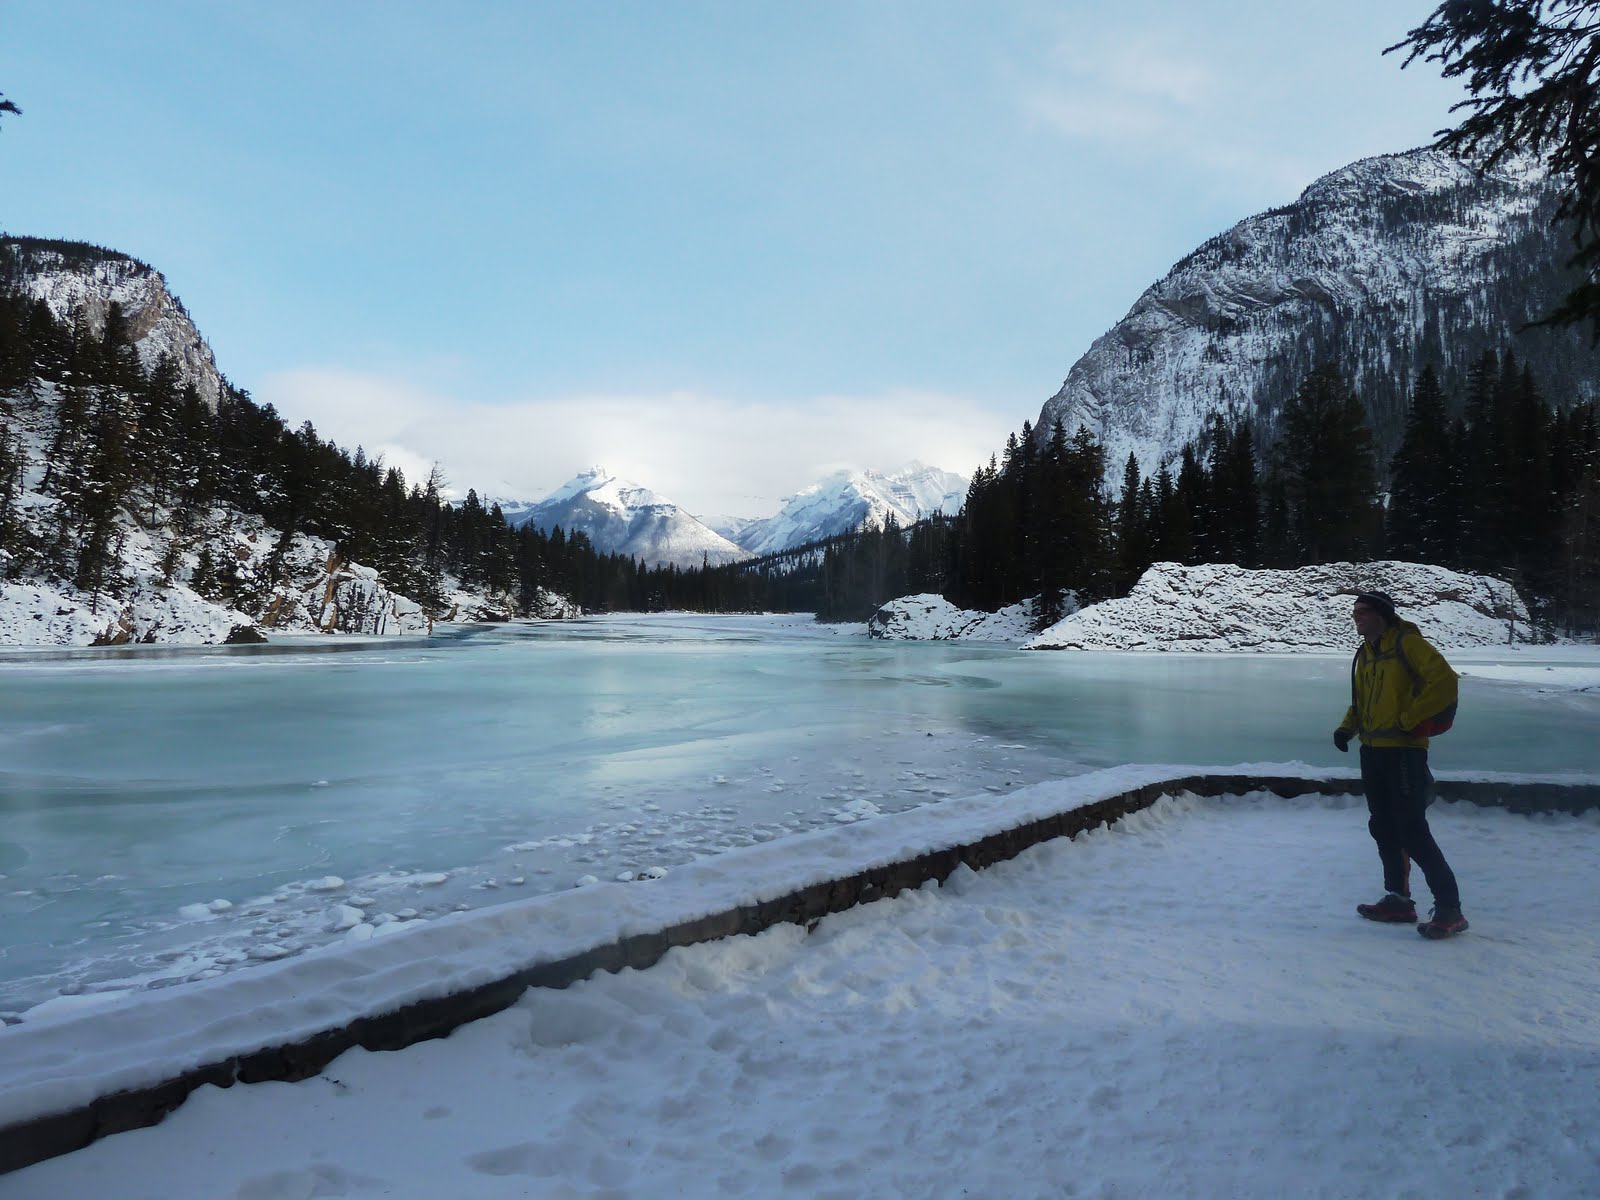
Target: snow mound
1218 606
930 618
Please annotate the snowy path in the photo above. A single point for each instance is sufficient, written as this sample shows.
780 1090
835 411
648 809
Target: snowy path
1183 1005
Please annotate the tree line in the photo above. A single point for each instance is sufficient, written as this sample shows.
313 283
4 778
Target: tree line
1497 480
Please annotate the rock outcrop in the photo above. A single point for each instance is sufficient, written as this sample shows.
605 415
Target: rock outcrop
81 282
931 618
1222 607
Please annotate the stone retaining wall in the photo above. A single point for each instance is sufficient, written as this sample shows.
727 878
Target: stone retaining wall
60 1133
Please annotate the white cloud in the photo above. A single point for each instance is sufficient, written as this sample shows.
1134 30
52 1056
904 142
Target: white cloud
713 455
1145 98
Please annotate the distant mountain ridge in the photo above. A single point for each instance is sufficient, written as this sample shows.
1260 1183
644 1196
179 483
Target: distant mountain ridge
847 500
620 517
1383 267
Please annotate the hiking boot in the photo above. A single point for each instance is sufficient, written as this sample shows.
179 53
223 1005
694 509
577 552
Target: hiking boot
1442 923
1393 909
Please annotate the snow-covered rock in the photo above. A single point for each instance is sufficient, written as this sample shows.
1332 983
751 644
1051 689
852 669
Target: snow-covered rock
848 500
932 618
1223 607
1383 267
330 595
620 517
82 282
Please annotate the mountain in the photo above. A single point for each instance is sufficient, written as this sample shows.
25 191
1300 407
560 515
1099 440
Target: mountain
79 282
847 500
1382 268
619 517
732 528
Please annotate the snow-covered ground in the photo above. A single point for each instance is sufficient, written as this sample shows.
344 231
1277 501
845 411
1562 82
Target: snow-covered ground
1544 677
1184 1004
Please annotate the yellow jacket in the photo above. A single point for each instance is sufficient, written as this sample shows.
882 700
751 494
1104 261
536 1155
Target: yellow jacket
1389 701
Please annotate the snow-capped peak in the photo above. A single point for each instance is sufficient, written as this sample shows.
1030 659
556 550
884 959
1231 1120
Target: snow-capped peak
619 516
849 499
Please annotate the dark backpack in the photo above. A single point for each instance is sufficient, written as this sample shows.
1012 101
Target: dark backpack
1428 727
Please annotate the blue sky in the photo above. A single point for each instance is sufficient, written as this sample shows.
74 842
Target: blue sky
721 248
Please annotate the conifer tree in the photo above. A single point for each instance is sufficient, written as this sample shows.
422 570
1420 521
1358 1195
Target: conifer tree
1243 488
1530 66
1190 511
1480 484
1169 542
1132 527
1422 512
13 549
1054 512
1326 463
1534 504
1090 526
431 550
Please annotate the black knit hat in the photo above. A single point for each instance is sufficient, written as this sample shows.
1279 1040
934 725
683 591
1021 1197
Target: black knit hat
1381 601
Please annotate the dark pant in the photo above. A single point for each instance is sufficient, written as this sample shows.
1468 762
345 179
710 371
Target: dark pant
1399 789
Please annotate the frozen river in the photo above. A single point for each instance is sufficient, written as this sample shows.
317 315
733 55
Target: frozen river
167 815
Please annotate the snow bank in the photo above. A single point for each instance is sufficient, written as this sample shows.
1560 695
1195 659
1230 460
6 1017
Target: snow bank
932 618
1223 607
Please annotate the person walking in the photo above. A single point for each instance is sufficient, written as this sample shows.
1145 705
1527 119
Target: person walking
1401 691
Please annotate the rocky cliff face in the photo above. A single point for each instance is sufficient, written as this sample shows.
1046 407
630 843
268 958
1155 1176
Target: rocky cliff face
1382 268
82 282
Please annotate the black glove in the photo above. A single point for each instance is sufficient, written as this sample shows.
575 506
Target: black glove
1341 739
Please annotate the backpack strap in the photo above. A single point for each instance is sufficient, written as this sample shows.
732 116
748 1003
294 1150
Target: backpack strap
1400 653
